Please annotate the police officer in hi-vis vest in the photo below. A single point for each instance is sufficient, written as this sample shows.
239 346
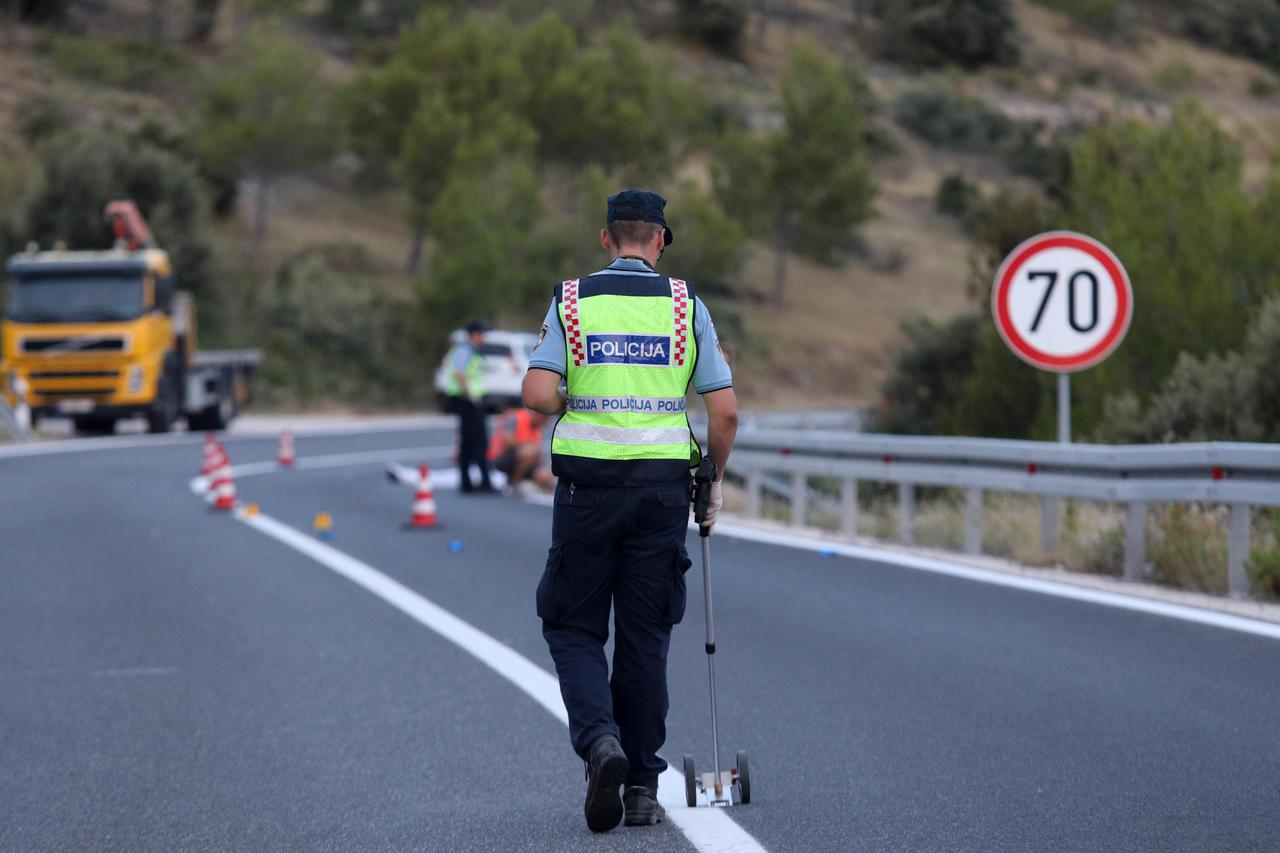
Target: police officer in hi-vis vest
465 387
628 342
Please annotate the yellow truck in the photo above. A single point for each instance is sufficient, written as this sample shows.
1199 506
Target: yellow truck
99 336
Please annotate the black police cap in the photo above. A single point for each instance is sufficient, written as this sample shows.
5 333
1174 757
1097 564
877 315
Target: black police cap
639 205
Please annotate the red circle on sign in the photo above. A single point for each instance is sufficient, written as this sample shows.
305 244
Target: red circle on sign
1019 258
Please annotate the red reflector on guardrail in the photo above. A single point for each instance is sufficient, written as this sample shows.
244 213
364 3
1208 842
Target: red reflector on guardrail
1218 473
1031 469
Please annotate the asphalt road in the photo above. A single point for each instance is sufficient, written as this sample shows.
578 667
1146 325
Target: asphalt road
172 679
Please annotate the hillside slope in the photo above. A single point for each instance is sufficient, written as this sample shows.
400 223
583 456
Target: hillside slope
833 340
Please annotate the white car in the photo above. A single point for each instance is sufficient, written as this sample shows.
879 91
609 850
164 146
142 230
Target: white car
506 358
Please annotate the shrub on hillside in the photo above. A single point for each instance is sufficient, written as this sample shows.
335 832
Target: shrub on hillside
1249 28
331 335
932 33
956 196
1233 396
721 24
927 376
952 120
126 63
968 124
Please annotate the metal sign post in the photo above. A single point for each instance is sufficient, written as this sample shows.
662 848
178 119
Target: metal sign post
1064 408
1062 302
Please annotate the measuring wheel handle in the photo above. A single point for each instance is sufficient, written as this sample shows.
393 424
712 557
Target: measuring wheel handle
690 782
702 480
742 774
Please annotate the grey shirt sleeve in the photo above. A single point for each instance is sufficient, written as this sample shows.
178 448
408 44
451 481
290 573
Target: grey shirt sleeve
712 372
549 354
461 356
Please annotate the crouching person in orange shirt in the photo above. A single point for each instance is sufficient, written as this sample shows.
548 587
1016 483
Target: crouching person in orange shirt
516 450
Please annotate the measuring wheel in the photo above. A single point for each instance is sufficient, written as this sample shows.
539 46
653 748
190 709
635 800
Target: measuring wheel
690 782
743 778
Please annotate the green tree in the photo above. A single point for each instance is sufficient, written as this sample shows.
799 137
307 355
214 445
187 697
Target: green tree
264 114
492 255
84 169
484 83
808 185
710 251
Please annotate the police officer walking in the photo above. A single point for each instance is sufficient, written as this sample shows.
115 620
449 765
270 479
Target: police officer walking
628 342
465 388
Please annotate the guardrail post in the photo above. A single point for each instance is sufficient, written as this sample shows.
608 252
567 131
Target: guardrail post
973 521
907 513
799 495
1048 524
849 507
755 488
1135 541
1238 534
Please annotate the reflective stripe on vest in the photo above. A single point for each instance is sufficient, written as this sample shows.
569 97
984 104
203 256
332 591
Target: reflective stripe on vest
623 435
572 327
680 318
629 361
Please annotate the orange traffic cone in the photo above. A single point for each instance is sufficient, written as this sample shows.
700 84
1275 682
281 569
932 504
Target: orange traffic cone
223 488
212 455
286 456
424 501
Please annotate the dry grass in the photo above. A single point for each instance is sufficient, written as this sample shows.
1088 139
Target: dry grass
833 341
305 213
1186 543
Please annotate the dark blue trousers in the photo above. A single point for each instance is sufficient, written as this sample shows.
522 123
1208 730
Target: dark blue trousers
621 547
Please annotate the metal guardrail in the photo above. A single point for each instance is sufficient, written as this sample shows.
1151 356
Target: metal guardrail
1241 476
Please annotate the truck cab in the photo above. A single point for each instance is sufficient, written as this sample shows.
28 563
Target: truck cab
98 336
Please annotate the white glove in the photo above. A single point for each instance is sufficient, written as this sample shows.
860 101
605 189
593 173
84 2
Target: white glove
713 507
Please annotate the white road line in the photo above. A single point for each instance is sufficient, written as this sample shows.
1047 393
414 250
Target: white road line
1135 603
709 830
82 445
339 460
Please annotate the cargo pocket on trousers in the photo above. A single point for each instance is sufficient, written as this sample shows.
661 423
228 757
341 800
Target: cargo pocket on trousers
679 565
548 609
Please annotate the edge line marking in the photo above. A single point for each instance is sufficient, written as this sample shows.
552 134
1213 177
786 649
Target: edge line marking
708 829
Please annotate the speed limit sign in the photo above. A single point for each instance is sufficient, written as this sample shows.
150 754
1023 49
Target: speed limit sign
1062 301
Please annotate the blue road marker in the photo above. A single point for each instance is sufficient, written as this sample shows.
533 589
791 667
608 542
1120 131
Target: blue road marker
455 546
826 553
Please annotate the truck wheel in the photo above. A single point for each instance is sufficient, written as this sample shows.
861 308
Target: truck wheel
206 420
164 412
94 425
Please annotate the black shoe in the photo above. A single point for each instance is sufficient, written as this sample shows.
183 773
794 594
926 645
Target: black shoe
642 806
606 771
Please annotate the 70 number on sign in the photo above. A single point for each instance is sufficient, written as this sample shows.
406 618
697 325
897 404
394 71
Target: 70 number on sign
1052 277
